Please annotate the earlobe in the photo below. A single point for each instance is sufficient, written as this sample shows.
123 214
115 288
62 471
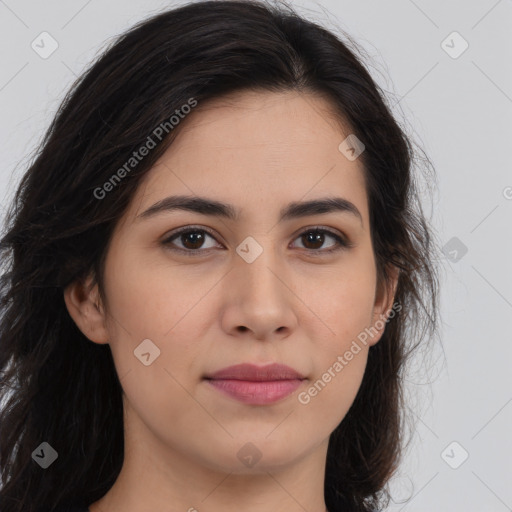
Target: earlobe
85 309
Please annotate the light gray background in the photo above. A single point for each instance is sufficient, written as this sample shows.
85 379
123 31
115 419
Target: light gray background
460 110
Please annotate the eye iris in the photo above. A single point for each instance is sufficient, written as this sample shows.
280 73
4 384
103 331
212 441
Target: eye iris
314 237
193 240
197 239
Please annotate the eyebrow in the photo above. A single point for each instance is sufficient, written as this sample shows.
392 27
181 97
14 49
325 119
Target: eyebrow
211 207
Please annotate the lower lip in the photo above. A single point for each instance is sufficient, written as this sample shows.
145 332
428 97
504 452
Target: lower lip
258 393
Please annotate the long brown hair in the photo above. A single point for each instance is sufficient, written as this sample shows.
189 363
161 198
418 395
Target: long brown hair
57 386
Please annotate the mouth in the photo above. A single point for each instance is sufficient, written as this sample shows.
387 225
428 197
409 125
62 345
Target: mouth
257 385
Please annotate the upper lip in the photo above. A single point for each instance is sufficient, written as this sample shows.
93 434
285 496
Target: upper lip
251 372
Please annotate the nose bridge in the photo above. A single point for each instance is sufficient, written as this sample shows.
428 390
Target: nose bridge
256 260
260 304
261 272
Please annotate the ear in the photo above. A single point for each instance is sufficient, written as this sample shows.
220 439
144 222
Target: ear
384 299
84 306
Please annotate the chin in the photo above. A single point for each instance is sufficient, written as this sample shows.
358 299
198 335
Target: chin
258 454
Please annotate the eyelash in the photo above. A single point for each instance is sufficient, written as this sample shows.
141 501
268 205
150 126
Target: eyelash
341 242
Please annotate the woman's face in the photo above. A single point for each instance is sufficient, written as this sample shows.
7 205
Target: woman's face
253 289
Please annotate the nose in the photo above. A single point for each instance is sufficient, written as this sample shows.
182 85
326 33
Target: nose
260 303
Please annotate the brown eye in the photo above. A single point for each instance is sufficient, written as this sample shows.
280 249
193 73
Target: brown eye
313 240
192 240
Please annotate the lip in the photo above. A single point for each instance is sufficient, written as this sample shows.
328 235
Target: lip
257 385
254 373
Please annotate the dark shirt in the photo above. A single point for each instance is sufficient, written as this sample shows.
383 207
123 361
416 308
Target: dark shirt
74 508
77 508
80 509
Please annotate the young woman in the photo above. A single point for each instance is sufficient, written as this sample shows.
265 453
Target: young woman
214 271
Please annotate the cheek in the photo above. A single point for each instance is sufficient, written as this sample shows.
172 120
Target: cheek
148 302
156 401
148 297
329 396
343 303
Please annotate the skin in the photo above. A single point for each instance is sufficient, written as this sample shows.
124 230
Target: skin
257 151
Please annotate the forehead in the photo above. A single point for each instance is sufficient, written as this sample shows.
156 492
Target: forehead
251 121
255 148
